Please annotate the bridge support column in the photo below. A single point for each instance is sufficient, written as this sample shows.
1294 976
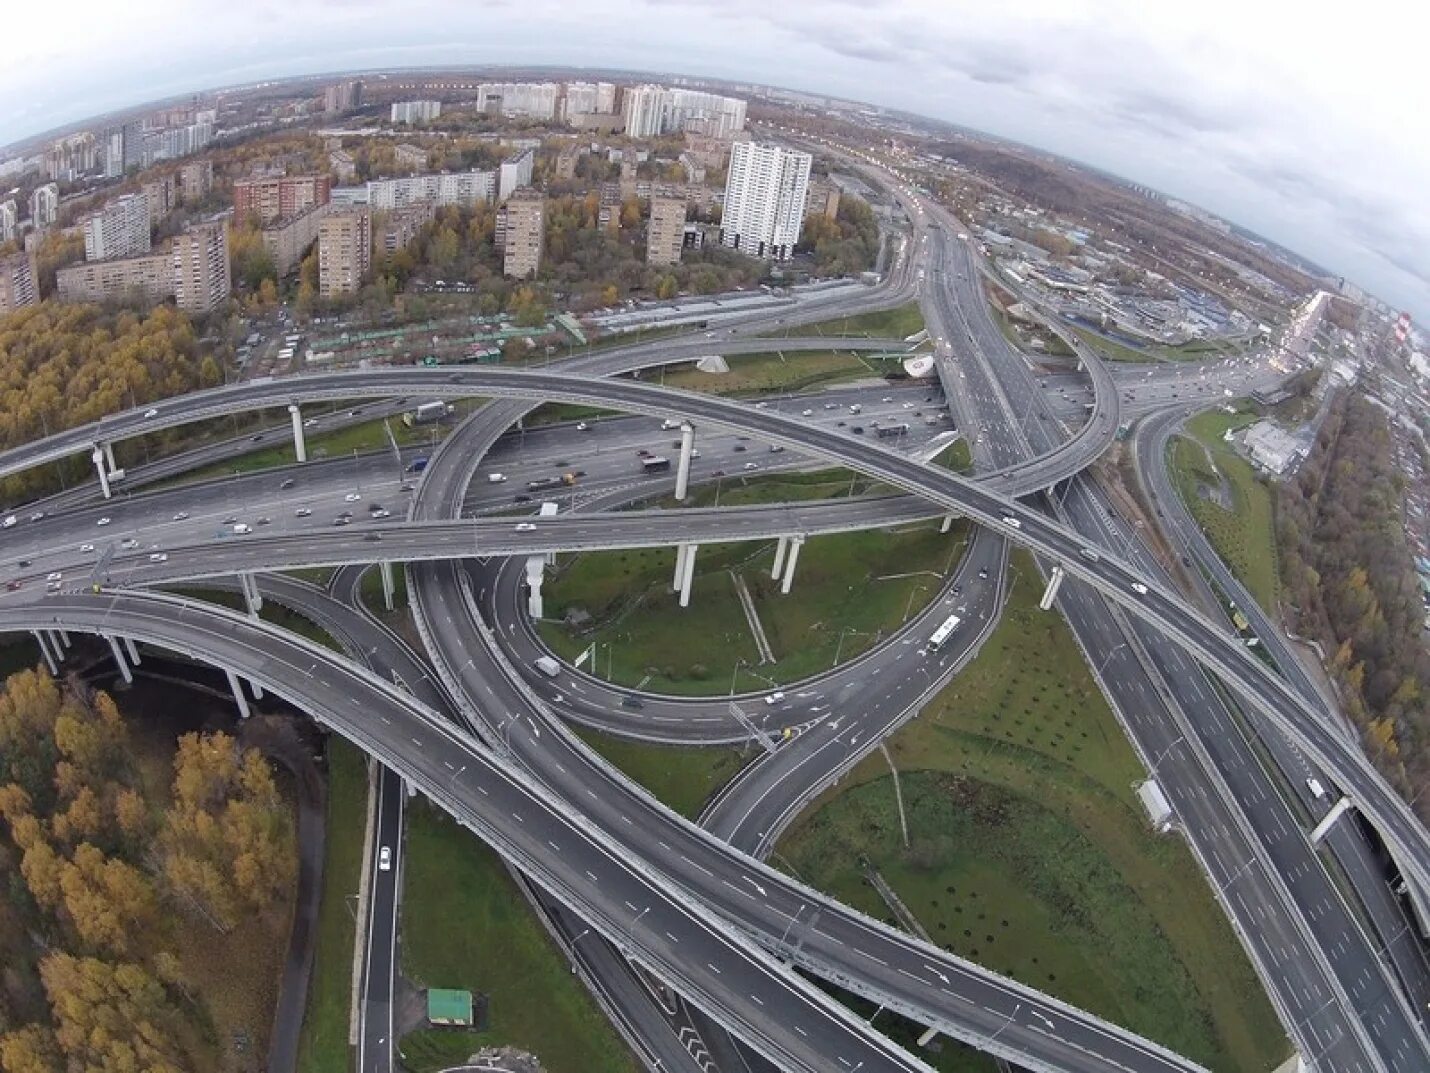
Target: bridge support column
132 649
64 637
781 546
119 659
535 573
57 645
388 588
1340 807
1055 582
257 689
300 446
928 1037
39 636
250 593
682 473
796 542
97 457
109 457
238 698
947 523
688 573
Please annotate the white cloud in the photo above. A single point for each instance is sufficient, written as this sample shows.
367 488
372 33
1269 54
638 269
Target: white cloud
1305 125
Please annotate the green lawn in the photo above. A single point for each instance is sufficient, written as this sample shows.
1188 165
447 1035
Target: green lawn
1030 854
323 1047
1245 537
957 456
849 590
464 924
898 323
683 777
758 374
1112 350
370 590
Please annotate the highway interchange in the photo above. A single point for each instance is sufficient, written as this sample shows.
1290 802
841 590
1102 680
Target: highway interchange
1018 449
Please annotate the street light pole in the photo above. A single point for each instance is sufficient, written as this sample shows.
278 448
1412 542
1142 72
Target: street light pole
1108 659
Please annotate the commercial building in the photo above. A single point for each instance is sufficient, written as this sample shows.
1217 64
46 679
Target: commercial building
201 271
764 199
531 100
279 197
1273 448
344 251
9 219
196 180
446 188
287 241
17 283
665 234
119 229
523 220
415 111
410 156
342 97
515 172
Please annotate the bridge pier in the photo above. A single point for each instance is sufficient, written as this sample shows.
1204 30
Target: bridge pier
238 698
64 637
1337 810
535 573
57 643
132 649
109 456
257 689
781 546
796 542
685 571
124 671
39 636
300 445
250 593
1055 582
97 457
947 523
388 587
687 445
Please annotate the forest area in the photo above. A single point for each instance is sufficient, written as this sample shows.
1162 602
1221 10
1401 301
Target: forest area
121 897
845 245
1350 579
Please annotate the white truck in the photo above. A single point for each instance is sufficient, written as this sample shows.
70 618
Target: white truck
547 666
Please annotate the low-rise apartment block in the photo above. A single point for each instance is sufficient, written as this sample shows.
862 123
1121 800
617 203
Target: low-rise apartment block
287 241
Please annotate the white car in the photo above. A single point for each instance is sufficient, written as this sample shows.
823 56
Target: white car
581 426
181 516
1011 522
158 557
351 497
496 478
774 698
302 512
54 575
151 413
384 859
102 521
525 527
86 548
806 413
129 543
1139 588
8 522
752 465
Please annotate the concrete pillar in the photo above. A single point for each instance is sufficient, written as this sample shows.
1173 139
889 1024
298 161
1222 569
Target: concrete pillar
132 649
682 473
109 456
796 542
56 645
385 568
238 697
45 652
947 523
1055 582
64 638
535 573
250 593
680 552
300 446
689 575
98 458
119 659
1340 807
781 546
257 689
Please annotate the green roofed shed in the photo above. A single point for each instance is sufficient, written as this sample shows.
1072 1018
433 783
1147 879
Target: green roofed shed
446 1006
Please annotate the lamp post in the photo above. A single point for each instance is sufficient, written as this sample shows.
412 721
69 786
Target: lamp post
1108 659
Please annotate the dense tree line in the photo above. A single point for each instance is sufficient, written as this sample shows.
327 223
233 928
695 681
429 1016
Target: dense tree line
105 877
845 245
1351 579
64 365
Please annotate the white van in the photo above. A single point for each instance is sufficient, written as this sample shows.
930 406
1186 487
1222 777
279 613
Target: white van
547 666
1317 790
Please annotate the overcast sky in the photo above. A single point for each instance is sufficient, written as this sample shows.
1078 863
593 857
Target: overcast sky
1304 123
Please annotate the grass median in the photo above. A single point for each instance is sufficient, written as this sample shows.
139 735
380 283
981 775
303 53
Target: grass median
323 1046
760 374
898 323
1245 535
1029 853
682 777
464 924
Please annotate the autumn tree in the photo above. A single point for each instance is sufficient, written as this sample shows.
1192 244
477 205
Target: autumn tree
112 1017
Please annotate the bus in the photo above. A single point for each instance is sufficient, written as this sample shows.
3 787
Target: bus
655 464
943 633
889 431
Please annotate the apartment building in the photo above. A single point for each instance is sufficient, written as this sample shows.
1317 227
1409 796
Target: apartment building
161 193
195 181
764 199
515 172
523 233
200 265
9 219
17 283
344 251
146 279
44 205
119 229
823 198
402 225
287 241
415 111
533 100
342 97
278 198
446 188
665 233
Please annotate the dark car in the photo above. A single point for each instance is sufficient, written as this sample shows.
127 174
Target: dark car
629 701
373 536
523 498
289 483
858 430
740 447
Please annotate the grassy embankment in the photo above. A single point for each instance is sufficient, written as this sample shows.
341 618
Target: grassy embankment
1245 535
1029 852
